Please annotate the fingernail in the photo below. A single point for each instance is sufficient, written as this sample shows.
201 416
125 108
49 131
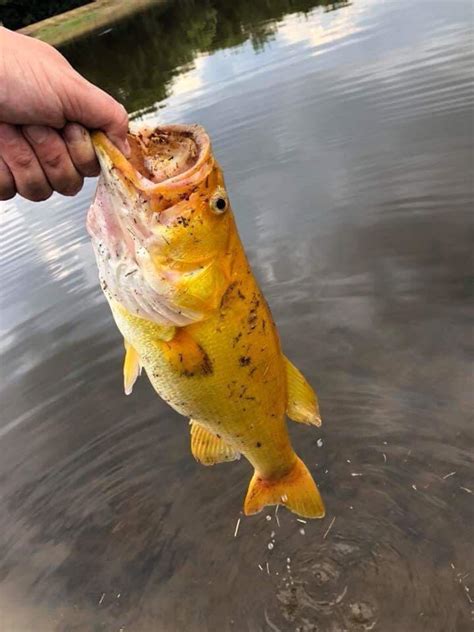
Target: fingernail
74 133
126 148
36 133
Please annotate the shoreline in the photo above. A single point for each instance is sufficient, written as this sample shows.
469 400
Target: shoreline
65 27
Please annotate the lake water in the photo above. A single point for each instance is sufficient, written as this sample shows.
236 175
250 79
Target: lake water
345 133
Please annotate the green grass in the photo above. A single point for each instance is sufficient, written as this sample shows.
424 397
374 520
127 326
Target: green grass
67 26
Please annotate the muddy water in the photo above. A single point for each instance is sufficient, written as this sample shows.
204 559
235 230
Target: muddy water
345 132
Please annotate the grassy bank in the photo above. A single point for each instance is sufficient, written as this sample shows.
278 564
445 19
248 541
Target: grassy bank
100 14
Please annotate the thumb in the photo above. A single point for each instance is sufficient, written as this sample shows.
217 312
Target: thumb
95 109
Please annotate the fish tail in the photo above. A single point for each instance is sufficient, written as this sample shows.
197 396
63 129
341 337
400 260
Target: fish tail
296 490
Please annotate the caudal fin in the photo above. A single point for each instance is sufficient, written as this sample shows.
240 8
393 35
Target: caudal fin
296 490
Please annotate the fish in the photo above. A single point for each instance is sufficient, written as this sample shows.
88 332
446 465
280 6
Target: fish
183 295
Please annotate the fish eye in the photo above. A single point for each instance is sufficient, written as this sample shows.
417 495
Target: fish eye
218 201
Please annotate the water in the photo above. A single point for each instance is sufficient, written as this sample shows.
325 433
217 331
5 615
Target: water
345 133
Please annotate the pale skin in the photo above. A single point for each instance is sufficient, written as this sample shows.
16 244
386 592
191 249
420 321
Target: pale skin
46 112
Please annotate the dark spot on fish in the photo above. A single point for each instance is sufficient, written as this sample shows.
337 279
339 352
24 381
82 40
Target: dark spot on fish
184 221
240 295
236 339
226 296
244 360
181 357
252 371
252 316
206 364
258 444
252 323
131 272
218 436
243 390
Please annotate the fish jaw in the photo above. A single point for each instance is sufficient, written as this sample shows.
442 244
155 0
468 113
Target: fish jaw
145 260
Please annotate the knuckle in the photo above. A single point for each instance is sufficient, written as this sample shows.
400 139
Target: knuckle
53 160
23 159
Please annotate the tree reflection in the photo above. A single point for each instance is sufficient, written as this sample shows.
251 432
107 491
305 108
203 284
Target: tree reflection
137 60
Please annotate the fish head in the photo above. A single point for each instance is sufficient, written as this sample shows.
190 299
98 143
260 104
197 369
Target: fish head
162 226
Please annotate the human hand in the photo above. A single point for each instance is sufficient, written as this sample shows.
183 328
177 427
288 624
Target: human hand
46 108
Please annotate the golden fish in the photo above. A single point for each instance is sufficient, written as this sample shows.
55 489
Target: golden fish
183 295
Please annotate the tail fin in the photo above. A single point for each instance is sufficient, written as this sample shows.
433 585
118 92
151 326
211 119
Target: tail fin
296 490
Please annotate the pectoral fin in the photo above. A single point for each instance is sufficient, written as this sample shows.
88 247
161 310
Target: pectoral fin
188 357
208 448
302 401
131 368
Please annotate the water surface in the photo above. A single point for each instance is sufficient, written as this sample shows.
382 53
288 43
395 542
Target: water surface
345 133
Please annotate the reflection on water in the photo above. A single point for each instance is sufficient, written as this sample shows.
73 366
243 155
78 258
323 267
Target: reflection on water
140 59
345 132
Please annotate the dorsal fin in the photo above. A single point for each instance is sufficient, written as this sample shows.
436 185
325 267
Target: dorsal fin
302 401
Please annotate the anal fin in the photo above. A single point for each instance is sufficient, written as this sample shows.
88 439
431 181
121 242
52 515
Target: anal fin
208 448
302 401
131 368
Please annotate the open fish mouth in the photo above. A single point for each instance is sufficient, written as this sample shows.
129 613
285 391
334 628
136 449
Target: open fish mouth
165 162
133 196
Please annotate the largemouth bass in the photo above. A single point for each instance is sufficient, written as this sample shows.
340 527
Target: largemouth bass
184 298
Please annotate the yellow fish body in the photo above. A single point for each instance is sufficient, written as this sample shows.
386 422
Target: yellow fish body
183 295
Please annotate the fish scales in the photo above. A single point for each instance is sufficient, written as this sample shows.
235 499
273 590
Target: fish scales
192 315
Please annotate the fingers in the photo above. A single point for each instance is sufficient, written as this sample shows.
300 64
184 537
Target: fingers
80 149
95 109
53 156
36 160
15 151
7 183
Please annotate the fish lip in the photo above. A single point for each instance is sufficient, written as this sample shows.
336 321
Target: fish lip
111 157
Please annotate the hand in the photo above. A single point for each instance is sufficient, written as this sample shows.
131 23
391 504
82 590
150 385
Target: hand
46 108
